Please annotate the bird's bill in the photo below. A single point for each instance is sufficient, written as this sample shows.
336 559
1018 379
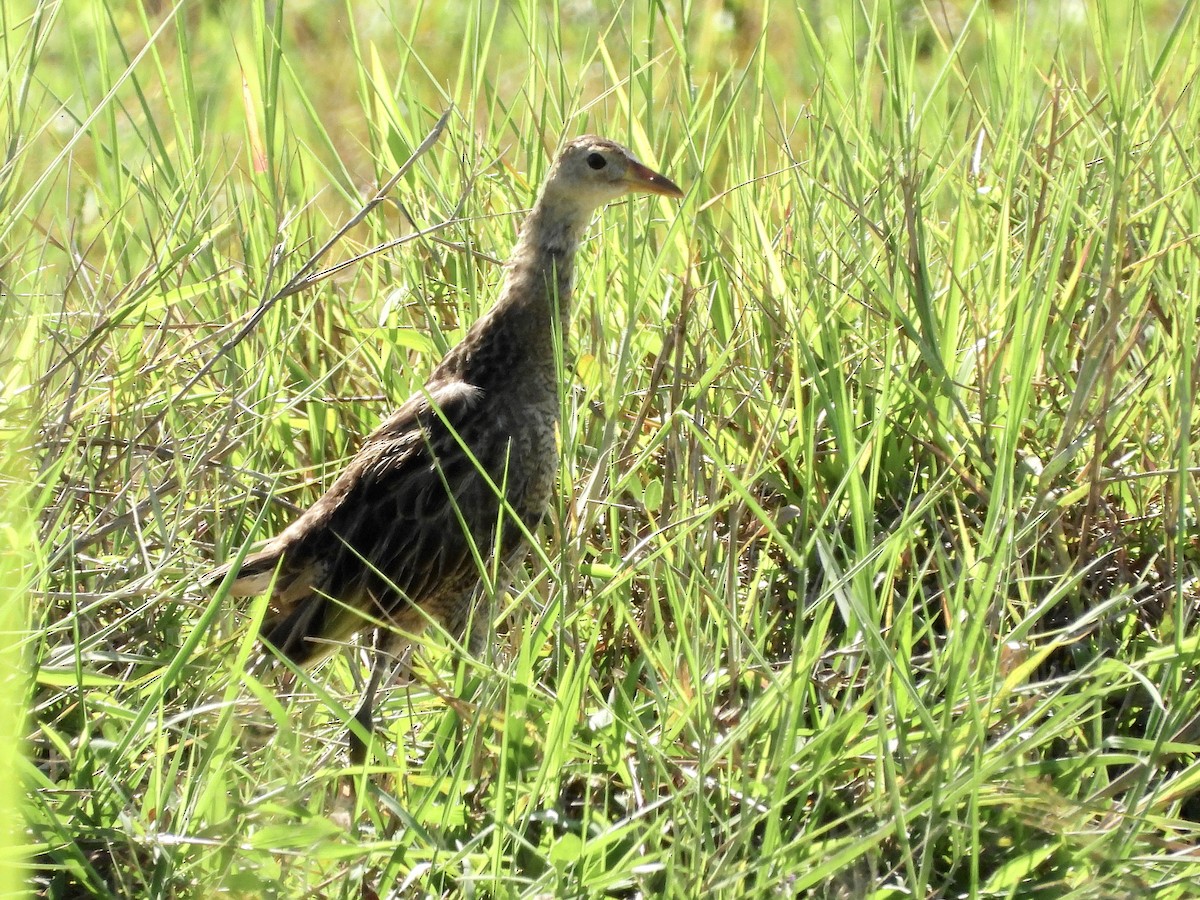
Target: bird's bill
642 178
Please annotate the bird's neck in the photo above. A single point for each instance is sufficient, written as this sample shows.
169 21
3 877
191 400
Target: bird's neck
515 340
542 266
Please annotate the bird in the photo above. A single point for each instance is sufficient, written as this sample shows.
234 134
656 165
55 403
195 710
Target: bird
453 480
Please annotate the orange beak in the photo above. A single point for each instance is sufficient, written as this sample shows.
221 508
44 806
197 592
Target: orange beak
644 179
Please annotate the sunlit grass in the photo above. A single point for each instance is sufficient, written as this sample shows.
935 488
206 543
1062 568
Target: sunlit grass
873 568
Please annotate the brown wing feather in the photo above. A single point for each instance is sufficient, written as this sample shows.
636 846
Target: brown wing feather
386 534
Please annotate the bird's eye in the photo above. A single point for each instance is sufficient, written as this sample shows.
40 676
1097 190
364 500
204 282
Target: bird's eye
596 161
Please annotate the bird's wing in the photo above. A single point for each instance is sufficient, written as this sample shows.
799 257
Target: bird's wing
404 513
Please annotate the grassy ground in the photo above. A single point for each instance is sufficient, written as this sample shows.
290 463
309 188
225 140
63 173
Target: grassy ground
874 568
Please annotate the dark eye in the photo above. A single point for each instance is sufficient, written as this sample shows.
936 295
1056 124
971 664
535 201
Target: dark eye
596 161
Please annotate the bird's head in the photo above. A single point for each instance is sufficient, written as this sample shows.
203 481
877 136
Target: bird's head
591 171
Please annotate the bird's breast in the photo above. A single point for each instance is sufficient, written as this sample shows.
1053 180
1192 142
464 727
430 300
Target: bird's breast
532 458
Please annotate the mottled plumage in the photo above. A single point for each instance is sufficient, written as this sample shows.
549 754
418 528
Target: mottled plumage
410 520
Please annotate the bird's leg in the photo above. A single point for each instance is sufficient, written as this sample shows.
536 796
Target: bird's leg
482 606
365 715
513 563
479 631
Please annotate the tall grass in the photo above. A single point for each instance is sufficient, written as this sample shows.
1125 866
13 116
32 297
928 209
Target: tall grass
873 568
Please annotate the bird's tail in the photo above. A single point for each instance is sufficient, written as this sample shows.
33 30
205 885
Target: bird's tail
254 575
296 627
296 633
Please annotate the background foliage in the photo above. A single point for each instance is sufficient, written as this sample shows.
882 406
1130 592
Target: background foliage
873 572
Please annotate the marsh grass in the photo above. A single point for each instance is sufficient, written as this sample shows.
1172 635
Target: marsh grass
873 569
